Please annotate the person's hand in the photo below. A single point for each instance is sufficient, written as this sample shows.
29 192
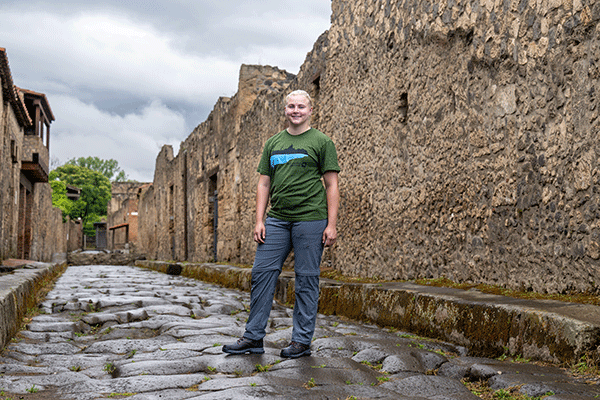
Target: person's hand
259 232
329 235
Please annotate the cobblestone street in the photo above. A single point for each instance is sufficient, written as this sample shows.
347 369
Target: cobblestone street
127 332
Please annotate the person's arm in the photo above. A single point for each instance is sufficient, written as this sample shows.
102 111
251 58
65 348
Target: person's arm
333 203
262 198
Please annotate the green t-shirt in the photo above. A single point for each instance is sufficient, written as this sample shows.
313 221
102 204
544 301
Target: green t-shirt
295 165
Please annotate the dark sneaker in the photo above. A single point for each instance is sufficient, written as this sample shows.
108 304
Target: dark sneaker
295 350
245 345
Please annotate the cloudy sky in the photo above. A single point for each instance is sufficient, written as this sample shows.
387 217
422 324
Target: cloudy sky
125 77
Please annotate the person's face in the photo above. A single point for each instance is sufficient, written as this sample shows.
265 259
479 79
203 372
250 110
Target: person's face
298 110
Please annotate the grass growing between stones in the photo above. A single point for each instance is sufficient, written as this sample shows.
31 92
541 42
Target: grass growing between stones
582 298
586 368
481 390
330 273
110 368
310 384
265 368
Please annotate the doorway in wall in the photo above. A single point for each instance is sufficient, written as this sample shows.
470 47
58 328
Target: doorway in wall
213 215
25 218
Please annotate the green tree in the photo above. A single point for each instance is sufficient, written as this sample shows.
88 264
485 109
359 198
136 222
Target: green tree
59 198
108 168
93 200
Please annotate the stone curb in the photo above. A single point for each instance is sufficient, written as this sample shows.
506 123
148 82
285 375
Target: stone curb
17 294
488 325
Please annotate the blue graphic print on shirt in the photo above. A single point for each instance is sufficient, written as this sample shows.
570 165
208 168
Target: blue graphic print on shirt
284 156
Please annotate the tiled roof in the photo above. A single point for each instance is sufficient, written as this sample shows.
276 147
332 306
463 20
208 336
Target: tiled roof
42 96
9 91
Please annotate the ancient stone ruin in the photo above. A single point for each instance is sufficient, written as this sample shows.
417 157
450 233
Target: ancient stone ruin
467 137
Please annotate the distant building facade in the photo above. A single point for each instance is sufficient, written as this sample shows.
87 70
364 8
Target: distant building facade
122 215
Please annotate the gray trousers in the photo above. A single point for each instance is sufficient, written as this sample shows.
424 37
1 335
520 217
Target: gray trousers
305 238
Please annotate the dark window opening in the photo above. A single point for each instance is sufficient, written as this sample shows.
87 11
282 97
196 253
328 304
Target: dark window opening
316 86
14 152
403 107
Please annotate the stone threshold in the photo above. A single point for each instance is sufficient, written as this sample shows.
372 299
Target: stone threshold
488 325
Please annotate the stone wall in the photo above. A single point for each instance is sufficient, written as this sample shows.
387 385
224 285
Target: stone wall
467 136
42 231
75 235
147 223
49 233
12 140
468 140
35 145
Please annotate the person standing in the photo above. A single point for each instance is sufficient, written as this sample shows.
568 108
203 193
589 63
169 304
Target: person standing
303 216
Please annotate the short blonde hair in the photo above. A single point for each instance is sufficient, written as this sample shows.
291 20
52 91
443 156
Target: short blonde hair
299 93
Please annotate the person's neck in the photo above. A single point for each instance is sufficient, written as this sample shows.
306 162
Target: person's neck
298 130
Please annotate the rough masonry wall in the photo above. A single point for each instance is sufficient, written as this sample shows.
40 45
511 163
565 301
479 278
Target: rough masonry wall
74 235
147 224
466 133
35 145
49 233
9 180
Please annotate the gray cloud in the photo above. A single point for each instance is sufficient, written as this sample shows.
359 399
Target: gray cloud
125 77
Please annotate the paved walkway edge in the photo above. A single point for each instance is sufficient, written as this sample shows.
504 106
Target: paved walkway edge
488 325
18 293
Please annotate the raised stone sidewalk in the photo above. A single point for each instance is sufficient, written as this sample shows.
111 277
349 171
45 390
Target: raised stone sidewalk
488 325
19 282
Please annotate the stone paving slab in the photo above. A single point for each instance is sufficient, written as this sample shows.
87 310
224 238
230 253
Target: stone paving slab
486 324
118 348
